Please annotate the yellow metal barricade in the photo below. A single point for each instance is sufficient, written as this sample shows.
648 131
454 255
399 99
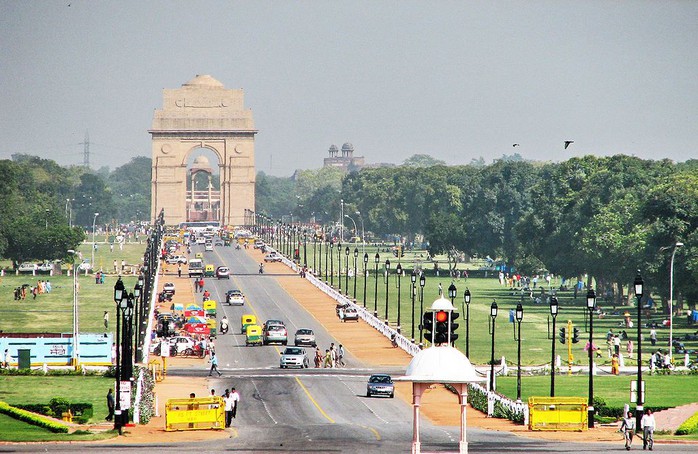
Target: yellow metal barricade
157 369
557 413
195 414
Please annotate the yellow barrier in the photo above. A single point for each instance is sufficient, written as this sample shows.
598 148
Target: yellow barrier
157 369
557 413
195 414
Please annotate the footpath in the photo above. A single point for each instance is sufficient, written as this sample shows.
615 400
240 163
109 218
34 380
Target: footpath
364 346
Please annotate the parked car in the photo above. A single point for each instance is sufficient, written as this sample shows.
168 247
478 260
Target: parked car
27 267
258 244
175 259
85 266
294 357
275 334
168 288
223 272
380 384
350 314
273 257
45 267
184 345
304 336
235 298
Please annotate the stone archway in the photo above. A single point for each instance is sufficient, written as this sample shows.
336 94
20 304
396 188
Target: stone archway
203 114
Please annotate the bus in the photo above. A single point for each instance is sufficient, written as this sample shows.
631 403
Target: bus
200 226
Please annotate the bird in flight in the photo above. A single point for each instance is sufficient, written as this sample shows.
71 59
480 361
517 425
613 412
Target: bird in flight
516 145
567 143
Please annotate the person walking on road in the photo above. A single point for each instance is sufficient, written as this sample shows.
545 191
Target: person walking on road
236 400
648 424
110 404
214 365
227 398
627 426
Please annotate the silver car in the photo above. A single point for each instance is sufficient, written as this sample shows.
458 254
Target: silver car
380 384
294 357
305 336
275 334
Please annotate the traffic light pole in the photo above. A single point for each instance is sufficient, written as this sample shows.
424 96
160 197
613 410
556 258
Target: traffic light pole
570 358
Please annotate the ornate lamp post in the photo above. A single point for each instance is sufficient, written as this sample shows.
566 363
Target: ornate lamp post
314 250
639 290
398 277
493 318
413 292
422 283
386 278
136 300
466 301
331 264
346 271
365 276
377 258
452 292
94 245
553 311
305 248
119 291
591 303
339 265
519 317
356 256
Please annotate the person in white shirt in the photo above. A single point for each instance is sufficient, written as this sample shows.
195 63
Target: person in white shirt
228 399
648 424
236 400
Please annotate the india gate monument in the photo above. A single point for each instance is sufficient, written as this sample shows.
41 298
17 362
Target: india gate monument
203 117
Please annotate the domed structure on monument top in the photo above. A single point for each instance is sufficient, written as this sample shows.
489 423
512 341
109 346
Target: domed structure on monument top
347 149
201 163
203 80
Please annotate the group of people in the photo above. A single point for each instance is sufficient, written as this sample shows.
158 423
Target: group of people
332 358
199 285
231 399
647 425
20 293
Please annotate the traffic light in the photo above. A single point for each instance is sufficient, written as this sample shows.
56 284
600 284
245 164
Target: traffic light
454 326
575 335
428 325
441 327
563 335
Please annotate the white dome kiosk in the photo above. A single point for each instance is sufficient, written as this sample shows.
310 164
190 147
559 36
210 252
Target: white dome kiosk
440 364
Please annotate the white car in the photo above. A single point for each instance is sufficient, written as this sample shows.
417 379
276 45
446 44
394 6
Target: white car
27 267
175 259
45 267
274 257
235 298
169 288
85 266
294 357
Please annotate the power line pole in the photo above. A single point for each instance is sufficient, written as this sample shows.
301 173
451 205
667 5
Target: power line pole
86 150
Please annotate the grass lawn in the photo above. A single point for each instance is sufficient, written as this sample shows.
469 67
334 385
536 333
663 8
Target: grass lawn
18 431
88 388
660 390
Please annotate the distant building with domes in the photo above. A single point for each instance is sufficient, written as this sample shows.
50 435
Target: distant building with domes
347 161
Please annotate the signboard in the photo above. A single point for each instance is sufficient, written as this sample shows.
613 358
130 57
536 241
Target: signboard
164 349
633 391
125 395
194 313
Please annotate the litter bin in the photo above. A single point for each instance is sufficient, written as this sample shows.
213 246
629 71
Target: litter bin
24 359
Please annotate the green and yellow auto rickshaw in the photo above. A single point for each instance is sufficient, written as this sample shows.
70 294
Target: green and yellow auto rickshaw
245 321
253 335
210 308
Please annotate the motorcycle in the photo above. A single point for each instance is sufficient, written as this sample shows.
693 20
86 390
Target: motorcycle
237 247
393 340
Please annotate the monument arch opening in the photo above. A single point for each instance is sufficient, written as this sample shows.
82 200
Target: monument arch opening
203 120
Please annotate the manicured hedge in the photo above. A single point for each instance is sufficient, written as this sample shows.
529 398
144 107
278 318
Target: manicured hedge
689 426
82 412
31 418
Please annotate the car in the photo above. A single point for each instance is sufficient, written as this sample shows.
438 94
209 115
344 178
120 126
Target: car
168 288
85 266
235 298
175 259
219 242
273 257
350 314
294 357
208 247
45 267
273 322
380 385
258 244
184 345
304 336
27 267
275 334
223 272
200 239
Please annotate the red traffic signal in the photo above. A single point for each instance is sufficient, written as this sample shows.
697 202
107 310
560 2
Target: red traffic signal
441 316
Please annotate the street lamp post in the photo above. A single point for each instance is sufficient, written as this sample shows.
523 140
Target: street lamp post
519 317
365 276
413 291
398 276
493 318
452 293
553 311
591 303
356 256
386 277
422 283
363 231
76 318
346 271
466 300
94 245
305 249
339 265
377 259
314 250
331 264
639 289
671 299
119 291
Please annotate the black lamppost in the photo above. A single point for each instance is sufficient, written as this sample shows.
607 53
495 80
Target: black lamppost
119 291
413 291
553 311
519 317
339 265
398 276
386 278
493 318
452 292
591 303
365 275
346 270
639 288
466 309
356 256
331 264
377 258
305 249
314 250
136 303
422 283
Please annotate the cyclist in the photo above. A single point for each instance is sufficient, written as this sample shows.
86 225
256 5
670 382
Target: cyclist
627 426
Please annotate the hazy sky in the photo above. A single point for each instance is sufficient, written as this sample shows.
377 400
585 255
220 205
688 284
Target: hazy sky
456 80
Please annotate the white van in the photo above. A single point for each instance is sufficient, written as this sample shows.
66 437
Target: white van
196 268
209 246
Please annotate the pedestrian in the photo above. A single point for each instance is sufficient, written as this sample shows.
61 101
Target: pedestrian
106 319
111 247
627 426
115 266
340 356
196 285
615 368
213 392
653 336
8 358
201 284
616 345
236 400
318 357
630 348
328 359
214 365
648 425
110 404
228 399
441 289
123 265
179 270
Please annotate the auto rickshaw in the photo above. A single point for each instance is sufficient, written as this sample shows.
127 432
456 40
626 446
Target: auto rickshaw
253 335
199 255
209 271
210 308
211 322
245 321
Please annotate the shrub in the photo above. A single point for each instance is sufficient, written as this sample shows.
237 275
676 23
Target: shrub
31 418
689 426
